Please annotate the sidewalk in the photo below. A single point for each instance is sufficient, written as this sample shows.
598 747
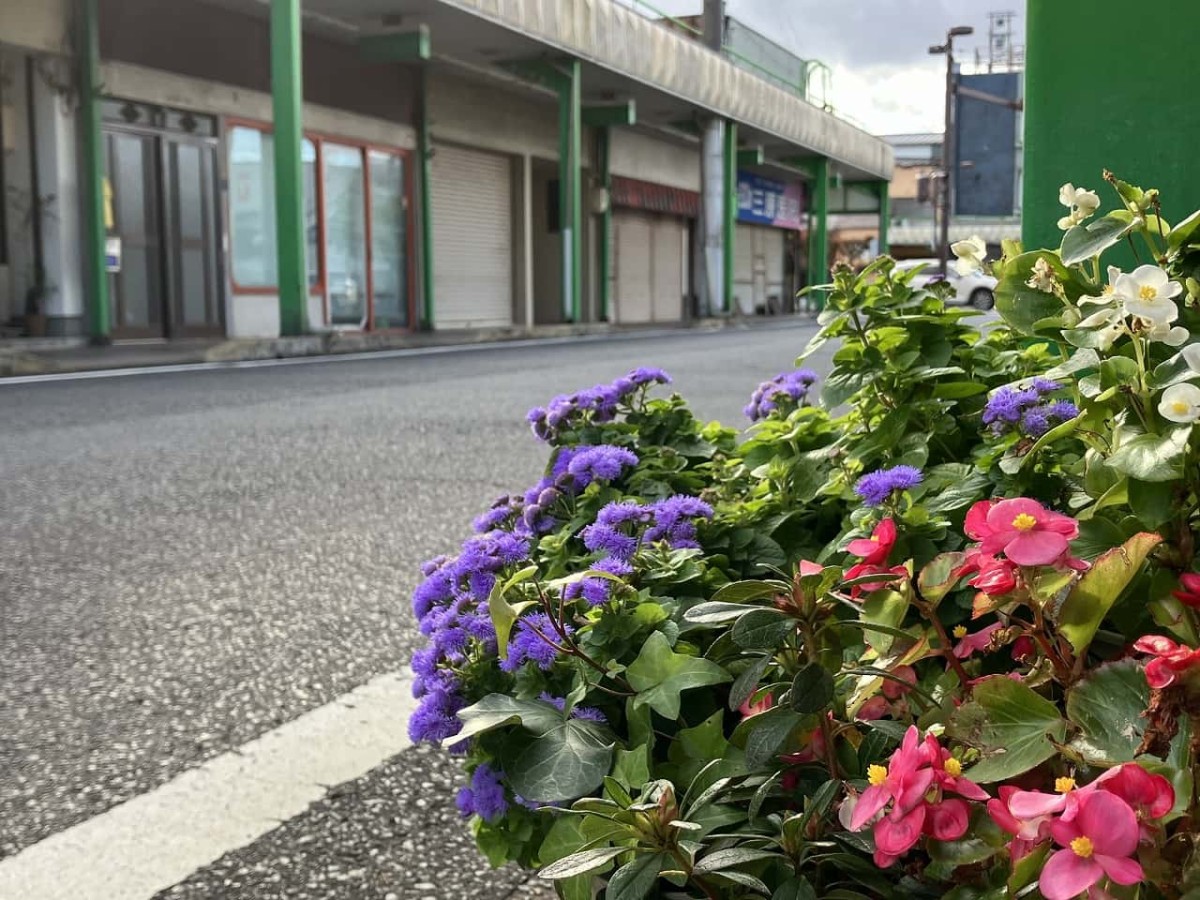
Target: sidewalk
24 358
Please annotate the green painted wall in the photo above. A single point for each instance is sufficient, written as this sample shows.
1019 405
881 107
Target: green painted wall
1110 84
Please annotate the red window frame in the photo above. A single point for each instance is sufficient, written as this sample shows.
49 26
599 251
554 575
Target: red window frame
365 148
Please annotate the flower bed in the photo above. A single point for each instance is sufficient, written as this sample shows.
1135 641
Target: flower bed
938 645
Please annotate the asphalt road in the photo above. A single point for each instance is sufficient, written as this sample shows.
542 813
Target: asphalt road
187 561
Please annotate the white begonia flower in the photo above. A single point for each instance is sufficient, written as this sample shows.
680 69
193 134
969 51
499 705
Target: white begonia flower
1147 293
1043 278
1107 293
1191 356
1175 336
1180 403
1081 202
969 254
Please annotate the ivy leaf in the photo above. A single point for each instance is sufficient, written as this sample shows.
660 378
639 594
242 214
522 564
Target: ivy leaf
1097 591
1107 706
1012 726
1082 242
634 880
763 629
660 675
1153 457
495 710
563 764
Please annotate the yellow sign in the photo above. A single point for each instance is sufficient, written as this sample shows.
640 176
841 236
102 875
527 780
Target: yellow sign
109 221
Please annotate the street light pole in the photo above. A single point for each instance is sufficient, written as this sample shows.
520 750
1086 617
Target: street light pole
948 174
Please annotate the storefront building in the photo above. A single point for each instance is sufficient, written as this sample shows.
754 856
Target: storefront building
767 243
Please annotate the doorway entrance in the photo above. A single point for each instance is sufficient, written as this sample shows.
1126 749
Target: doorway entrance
162 200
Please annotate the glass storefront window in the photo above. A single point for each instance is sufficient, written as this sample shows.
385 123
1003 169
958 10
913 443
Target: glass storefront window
312 218
345 234
252 208
389 240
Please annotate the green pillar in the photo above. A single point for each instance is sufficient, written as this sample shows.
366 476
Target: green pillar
570 188
287 93
603 142
100 316
885 216
730 209
425 154
818 233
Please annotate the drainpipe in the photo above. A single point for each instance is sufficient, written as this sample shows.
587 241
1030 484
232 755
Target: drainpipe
287 95
425 155
100 324
570 189
730 213
603 142
715 250
885 216
818 241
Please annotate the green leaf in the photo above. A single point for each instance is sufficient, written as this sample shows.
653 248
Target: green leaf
495 710
956 390
1082 242
1020 305
887 608
1107 706
714 613
632 767
763 629
504 615
1098 589
982 841
634 880
768 732
937 578
1153 457
796 888
1011 725
582 862
1151 501
1173 371
755 884
734 856
746 683
563 764
745 591
1185 232
660 675
812 690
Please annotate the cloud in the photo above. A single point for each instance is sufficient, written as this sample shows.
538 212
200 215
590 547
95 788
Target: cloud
877 50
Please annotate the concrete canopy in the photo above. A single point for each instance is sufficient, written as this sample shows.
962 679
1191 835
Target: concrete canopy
625 56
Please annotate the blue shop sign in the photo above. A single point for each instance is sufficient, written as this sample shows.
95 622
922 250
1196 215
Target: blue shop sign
769 202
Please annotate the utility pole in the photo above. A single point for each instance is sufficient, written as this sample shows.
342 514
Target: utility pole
948 165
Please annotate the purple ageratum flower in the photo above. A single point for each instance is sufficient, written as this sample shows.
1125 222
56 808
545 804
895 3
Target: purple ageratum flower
586 713
598 404
1007 406
529 643
484 797
1062 410
877 487
644 375
1045 385
673 521
501 514
435 717
606 539
603 463
598 591
791 387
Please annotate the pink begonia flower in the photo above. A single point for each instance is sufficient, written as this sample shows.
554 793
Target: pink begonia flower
810 568
875 708
1023 530
1189 592
970 644
858 571
1024 649
894 690
1150 796
915 782
993 575
1098 842
1170 659
875 549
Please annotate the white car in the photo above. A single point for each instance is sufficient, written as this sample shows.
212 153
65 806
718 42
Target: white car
977 289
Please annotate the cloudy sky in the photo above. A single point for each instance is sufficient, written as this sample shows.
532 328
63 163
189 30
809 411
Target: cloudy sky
883 75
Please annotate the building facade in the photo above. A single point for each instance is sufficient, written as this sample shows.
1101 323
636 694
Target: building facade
455 164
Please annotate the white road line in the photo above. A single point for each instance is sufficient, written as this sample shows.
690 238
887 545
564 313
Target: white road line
151 842
358 356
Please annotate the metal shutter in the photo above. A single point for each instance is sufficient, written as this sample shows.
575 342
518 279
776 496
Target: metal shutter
667 300
744 240
472 239
635 238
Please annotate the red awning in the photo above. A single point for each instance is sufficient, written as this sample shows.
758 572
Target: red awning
629 192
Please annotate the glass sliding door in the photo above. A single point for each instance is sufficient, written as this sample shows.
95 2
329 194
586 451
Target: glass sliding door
345 234
389 240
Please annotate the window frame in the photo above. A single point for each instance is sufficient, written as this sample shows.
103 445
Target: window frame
365 149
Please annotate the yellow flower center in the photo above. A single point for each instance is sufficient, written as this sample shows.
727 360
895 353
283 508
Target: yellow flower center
1063 785
1180 408
1024 522
1108 289
1082 846
1146 292
960 631
953 767
875 538
877 775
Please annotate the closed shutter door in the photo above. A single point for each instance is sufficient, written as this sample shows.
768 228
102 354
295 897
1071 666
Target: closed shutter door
773 249
635 238
667 301
472 239
744 237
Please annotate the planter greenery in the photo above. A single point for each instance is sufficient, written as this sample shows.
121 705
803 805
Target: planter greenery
928 634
